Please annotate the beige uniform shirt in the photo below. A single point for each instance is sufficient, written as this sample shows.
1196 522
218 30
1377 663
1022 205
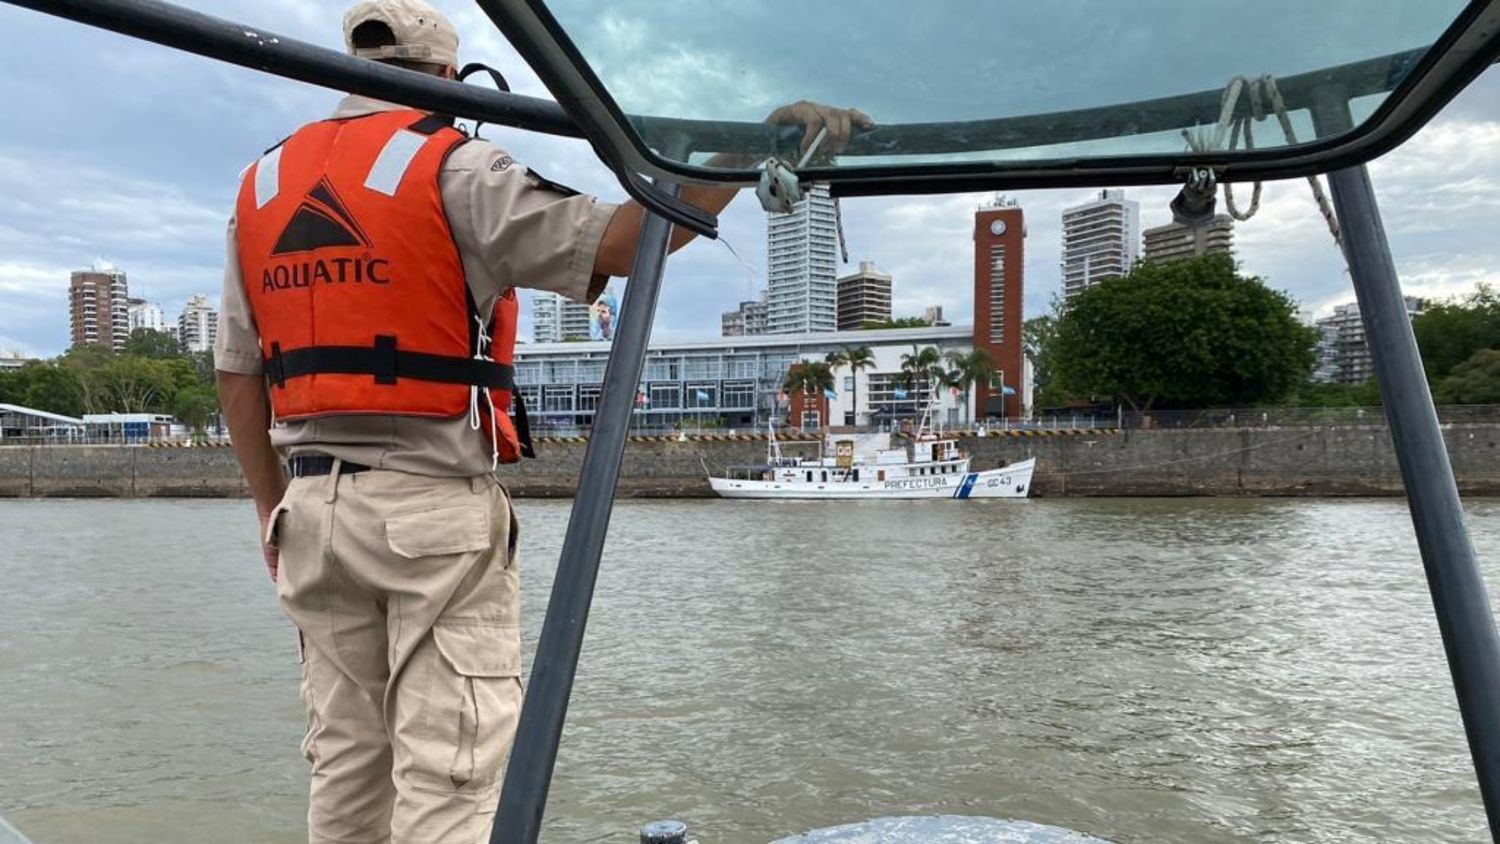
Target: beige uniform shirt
512 229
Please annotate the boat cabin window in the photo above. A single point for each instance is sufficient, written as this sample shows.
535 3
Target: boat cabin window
880 474
825 477
856 476
809 477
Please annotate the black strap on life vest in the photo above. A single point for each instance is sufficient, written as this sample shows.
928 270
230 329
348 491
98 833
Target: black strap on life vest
523 425
386 363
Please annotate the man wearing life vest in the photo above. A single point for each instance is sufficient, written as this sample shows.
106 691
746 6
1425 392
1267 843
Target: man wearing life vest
366 337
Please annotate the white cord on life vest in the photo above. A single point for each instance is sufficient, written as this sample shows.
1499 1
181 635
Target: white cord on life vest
474 391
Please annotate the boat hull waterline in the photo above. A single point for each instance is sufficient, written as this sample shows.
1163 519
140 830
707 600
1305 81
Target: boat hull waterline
1013 481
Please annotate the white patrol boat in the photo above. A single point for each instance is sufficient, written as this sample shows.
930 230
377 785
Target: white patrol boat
867 466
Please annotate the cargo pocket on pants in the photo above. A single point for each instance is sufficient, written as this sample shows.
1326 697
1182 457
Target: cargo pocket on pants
485 659
305 687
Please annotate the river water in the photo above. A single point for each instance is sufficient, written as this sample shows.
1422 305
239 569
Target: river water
1148 671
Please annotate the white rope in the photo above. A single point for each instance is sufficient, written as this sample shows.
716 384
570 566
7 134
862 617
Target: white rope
481 345
1230 129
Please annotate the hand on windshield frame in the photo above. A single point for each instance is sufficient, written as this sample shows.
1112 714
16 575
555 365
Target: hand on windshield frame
841 124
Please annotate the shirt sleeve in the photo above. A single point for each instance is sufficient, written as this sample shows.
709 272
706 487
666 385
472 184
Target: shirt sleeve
519 229
237 346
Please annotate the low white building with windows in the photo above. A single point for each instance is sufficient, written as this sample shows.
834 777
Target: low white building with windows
736 382
29 426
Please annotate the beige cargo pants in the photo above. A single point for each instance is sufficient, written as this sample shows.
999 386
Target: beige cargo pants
404 589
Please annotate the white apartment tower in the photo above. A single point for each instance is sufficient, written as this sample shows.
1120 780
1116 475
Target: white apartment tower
147 315
1101 239
1343 353
557 319
801 255
198 326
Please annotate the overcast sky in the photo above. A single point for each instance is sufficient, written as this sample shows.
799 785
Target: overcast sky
126 151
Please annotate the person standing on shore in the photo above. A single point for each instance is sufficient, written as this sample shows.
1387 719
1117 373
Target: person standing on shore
366 336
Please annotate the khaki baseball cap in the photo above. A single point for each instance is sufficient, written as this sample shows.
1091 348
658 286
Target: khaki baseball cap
423 34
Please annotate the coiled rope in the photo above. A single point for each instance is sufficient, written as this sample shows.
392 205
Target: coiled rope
1263 99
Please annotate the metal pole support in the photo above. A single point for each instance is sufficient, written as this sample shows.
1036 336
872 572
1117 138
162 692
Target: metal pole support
1458 590
529 774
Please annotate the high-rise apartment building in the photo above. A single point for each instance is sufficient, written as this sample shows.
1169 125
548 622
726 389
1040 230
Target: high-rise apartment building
557 319
198 326
1101 239
149 315
864 297
747 320
1343 353
801 254
99 307
1175 242
999 290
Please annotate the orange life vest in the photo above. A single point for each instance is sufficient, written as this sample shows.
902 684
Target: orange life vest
357 287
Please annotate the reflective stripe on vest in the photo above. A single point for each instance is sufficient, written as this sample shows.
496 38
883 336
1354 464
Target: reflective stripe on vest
394 160
355 283
268 177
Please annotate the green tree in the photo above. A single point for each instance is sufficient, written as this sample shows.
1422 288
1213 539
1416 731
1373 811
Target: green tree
921 368
1475 381
203 365
857 358
1191 333
196 406
966 370
130 384
150 343
42 385
1039 340
83 366
811 378
1449 333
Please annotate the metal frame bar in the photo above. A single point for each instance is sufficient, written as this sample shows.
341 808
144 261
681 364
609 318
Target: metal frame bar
1459 596
529 774
1458 590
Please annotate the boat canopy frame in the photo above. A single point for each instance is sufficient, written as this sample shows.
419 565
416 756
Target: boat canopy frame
646 153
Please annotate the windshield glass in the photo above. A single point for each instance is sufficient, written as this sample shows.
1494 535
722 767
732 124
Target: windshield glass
982 71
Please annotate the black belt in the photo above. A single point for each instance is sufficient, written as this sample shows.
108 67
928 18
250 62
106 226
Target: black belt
312 465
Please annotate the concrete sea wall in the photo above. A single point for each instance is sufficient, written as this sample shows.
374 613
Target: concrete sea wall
1345 460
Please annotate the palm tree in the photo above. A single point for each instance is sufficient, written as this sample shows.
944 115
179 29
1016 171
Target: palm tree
857 358
976 367
920 368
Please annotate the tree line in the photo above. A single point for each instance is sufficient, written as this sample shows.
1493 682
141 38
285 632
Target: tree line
150 375
1200 333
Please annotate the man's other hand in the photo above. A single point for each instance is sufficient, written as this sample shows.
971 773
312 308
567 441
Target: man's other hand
272 556
814 117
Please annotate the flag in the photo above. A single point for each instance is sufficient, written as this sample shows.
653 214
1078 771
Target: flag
782 398
642 399
830 395
899 393
953 391
1007 391
700 395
